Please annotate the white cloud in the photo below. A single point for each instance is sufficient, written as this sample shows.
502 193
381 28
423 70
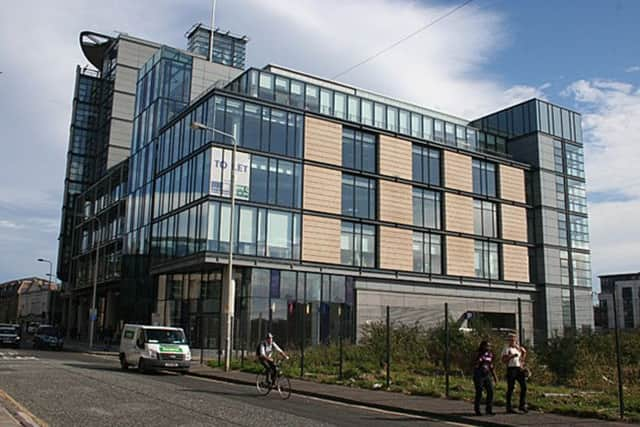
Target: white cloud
632 69
611 126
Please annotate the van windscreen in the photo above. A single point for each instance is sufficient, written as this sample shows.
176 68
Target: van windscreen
164 336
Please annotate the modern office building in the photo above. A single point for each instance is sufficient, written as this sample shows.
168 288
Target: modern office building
346 201
625 288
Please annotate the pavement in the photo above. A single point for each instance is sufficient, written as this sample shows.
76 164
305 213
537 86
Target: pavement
432 407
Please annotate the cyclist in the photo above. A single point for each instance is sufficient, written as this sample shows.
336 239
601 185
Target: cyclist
265 355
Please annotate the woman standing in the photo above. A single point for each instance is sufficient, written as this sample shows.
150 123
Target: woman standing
514 356
483 373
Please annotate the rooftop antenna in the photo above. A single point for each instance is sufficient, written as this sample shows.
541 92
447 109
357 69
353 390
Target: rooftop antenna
213 21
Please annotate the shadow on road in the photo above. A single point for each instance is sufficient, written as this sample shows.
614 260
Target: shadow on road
95 367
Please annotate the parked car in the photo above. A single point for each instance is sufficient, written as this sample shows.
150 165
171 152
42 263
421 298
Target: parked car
9 336
48 337
154 348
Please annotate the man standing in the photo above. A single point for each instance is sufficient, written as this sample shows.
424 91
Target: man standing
514 356
265 354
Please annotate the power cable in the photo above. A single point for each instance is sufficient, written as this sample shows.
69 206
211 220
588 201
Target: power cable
388 48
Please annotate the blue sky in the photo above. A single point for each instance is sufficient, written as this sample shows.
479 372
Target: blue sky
583 54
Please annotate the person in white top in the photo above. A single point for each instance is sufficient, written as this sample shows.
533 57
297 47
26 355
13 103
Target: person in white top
514 356
265 355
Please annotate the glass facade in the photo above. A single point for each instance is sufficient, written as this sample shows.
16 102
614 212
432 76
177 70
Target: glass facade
485 222
484 178
358 196
427 208
227 49
487 264
358 244
359 150
427 253
425 165
383 115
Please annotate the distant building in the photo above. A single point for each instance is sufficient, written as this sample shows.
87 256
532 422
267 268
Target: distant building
31 299
9 301
626 288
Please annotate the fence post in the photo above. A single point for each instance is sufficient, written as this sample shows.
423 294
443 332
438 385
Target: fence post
388 348
615 323
302 327
201 340
520 328
446 348
340 315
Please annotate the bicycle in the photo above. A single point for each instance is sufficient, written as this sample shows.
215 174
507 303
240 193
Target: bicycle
280 383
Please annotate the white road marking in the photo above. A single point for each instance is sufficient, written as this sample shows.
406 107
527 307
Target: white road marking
15 356
332 402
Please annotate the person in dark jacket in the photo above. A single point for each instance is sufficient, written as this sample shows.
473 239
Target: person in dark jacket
483 374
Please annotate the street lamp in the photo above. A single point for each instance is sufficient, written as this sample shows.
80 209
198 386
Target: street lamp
230 289
93 312
50 280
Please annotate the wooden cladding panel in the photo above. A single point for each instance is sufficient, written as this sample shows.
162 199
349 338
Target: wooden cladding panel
457 171
320 239
322 189
514 223
323 141
460 256
394 157
396 249
515 263
395 204
459 213
512 184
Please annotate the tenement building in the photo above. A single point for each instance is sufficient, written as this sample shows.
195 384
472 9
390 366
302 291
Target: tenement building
346 201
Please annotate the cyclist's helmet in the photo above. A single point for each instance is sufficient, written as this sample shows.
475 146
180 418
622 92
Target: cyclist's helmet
269 335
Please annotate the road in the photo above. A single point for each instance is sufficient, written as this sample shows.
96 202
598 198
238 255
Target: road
73 389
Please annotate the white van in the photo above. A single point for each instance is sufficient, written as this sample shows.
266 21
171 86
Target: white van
154 347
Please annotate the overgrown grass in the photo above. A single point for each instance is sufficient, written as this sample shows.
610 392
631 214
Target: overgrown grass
572 376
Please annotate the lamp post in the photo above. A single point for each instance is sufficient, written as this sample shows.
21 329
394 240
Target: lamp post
230 289
93 312
50 281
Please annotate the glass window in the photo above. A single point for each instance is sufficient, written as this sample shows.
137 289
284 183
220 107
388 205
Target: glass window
247 231
259 179
354 109
339 105
392 119
279 227
438 130
486 260
282 90
426 208
484 178
416 125
358 150
380 116
579 232
326 101
357 244
484 218
358 196
312 99
252 121
278 137
266 86
449 133
575 160
577 196
426 165
543 116
427 128
367 112
297 95
627 307
581 269
404 122
427 253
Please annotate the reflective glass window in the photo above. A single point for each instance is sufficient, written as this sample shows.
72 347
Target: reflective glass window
427 253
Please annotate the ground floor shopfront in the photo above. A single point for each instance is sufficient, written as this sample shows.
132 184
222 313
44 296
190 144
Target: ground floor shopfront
309 308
